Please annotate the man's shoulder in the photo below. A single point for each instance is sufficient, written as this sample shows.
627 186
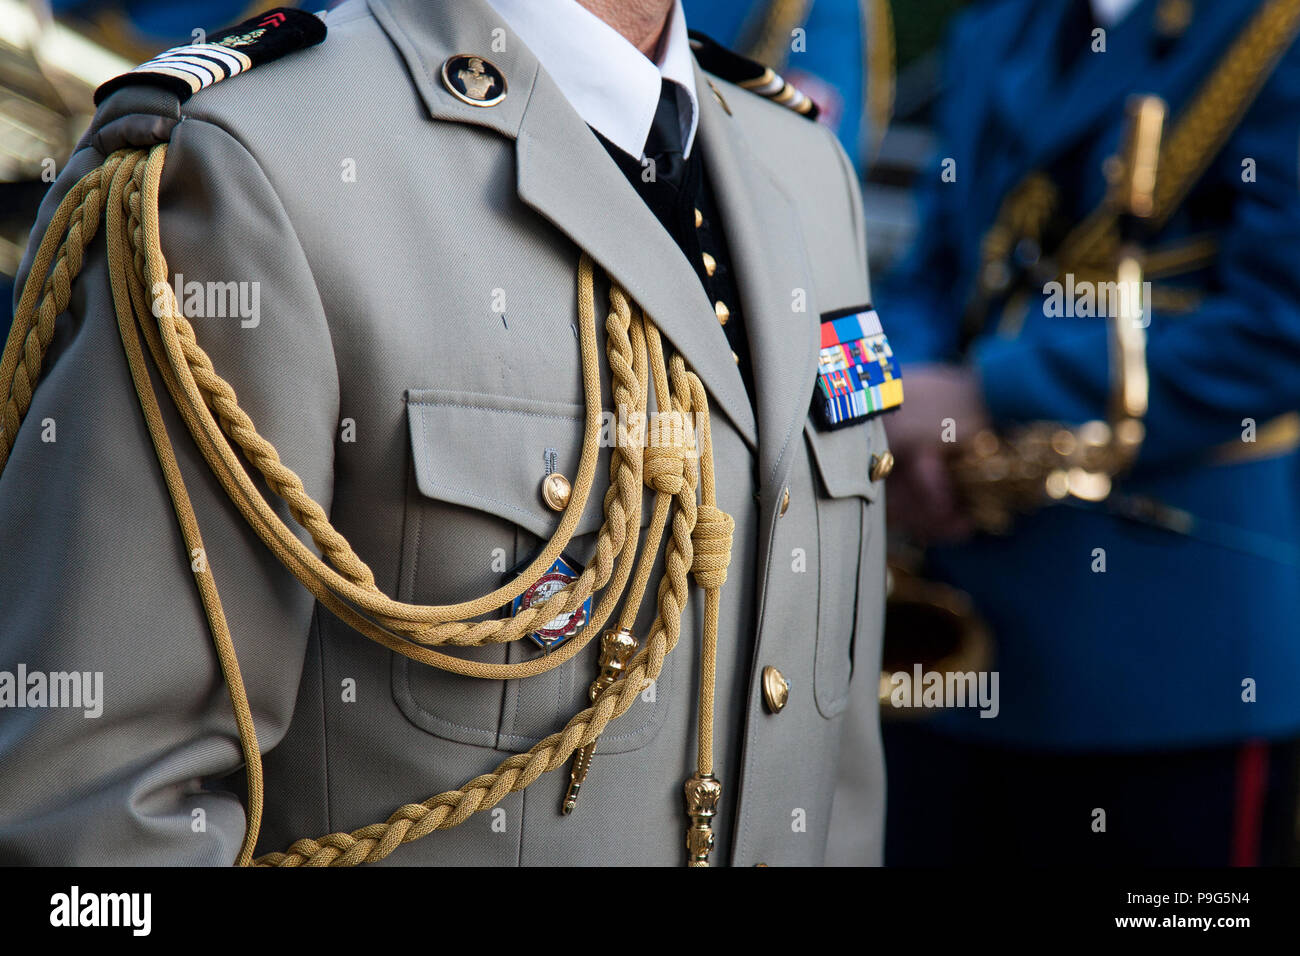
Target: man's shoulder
769 123
803 157
751 76
778 120
278 66
805 162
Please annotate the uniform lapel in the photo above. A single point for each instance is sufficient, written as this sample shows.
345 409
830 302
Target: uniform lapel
564 173
774 279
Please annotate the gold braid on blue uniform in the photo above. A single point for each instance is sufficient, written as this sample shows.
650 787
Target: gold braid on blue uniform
749 75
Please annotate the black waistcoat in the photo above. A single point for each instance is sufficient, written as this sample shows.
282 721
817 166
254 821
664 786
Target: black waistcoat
676 206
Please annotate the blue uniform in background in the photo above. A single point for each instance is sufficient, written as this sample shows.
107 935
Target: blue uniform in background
1158 652
829 67
170 22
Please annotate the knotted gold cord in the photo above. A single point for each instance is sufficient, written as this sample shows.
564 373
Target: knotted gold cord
125 190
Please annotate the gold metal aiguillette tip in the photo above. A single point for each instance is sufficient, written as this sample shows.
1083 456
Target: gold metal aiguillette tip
703 791
581 763
616 649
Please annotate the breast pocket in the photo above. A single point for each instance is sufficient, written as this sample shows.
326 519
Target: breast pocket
475 513
851 561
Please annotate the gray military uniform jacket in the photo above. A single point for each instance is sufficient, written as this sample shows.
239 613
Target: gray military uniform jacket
384 223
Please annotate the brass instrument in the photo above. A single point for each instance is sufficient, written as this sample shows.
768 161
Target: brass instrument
48 76
933 623
997 476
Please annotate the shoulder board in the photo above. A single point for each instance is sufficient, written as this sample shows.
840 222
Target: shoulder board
184 70
749 75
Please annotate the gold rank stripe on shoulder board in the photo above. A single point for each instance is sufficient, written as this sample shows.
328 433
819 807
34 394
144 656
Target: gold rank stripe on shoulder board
749 75
771 85
184 70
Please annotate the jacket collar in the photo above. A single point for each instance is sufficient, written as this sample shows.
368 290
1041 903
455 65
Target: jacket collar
611 85
564 173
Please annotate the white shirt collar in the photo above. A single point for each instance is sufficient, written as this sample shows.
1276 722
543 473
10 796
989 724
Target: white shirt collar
608 81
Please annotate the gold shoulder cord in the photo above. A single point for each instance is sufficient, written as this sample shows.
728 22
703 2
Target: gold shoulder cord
880 71
125 191
771 41
1200 133
1202 129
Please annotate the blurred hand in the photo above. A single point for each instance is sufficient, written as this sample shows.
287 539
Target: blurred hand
921 496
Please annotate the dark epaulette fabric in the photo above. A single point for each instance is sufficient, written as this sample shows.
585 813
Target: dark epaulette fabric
184 70
749 75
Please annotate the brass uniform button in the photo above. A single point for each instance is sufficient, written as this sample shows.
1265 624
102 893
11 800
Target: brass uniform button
882 465
473 80
710 264
735 358
721 310
785 501
776 689
699 219
556 491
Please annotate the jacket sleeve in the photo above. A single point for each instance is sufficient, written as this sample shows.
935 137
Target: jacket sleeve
1237 355
94 574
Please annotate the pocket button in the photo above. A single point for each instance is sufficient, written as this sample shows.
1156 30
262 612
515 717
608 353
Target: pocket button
776 689
556 491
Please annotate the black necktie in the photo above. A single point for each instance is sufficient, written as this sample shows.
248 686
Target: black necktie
664 142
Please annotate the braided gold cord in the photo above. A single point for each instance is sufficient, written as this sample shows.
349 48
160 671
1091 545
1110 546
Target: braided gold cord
699 541
75 221
1217 107
428 624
